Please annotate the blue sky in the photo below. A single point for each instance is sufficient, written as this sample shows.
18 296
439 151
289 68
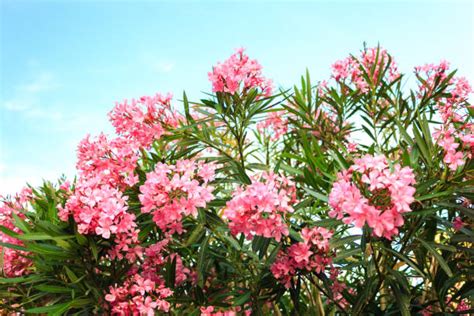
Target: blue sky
65 63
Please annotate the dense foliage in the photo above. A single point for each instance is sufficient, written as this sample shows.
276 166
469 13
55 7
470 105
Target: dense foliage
348 196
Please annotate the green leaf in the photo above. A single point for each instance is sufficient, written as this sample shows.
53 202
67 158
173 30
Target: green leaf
341 255
402 299
434 195
42 236
21 224
93 248
420 141
53 288
49 250
49 309
59 309
24 279
195 235
201 260
408 261
170 276
242 299
317 195
13 246
335 243
291 170
438 257
71 275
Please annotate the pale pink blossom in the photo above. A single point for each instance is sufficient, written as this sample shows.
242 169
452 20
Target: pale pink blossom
275 125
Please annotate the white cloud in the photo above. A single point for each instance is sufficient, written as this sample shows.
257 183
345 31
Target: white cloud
44 81
162 66
26 97
18 104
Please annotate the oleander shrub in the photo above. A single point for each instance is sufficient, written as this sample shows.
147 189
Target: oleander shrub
351 196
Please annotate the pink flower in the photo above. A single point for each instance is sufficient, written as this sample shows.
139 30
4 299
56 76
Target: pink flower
173 191
300 253
372 61
318 236
312 254
146 119
275 124
456 133
390 195
352 147
14 263
111 162
458 223
102 210
454 159
138 296
259 208
239 71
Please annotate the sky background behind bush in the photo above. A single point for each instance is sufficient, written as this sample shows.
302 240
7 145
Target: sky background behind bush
65 63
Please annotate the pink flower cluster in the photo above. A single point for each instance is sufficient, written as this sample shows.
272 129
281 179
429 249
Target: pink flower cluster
459 308
144 291
456 135
370 192
275 123
106 161
97 204
211 311
155 259
138 296
14 262
337 287
239 71
99 209
260 207
353 68
173 191
144 120
312 254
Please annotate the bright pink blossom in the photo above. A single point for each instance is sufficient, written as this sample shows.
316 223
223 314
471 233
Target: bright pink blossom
138 296
108 161
312 254
239 72
456 135
144 120
13 262
260 207
97 203
213 311
389 195
372 61
173 191
100 209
